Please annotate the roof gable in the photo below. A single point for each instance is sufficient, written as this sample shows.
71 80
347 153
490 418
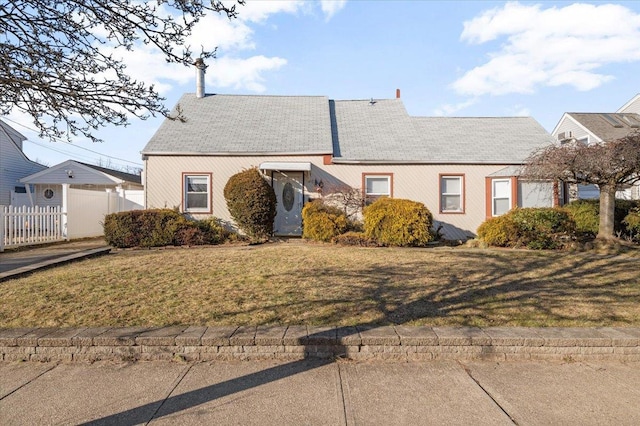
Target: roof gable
633 106
607 126
75 172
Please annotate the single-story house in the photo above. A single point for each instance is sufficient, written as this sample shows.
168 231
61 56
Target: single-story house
85 193
45 188
599 127
463 169
14 165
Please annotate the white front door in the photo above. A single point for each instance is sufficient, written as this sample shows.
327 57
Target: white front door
288 189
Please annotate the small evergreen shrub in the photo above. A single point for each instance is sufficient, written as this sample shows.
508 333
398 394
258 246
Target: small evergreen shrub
535 228
322 222
160 227
543 228
398 222
500 231
585 214
352 238
632 223
251 203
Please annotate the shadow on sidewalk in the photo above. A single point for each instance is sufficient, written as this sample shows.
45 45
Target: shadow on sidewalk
184 401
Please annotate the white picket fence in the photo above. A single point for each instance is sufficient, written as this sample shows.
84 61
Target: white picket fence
31 225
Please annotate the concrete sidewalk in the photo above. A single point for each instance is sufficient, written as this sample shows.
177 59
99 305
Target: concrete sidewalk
319 392
22 261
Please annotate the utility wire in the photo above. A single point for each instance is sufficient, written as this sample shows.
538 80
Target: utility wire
70 144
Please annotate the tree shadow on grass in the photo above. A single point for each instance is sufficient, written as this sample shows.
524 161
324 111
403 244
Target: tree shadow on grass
546 286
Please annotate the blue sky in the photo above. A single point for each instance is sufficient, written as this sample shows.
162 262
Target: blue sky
448 58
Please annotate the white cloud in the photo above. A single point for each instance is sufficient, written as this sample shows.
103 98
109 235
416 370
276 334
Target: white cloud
331 7
549 47
450 109
259 11
519 111
242 73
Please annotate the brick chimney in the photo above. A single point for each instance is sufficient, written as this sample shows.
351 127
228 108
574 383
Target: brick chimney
397 93
201 68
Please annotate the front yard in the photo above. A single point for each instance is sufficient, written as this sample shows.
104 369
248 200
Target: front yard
301 283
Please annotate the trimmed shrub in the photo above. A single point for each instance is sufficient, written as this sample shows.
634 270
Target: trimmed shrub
535 228
322 222
543 228
142 228
206 231
632 223
500 231
160 227
352 238
251 203
585 214
398 222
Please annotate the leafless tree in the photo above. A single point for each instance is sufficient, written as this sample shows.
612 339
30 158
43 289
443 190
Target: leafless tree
343 196
52 63
610 165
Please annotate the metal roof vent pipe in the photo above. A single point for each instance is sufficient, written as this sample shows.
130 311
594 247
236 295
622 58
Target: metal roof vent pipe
201 68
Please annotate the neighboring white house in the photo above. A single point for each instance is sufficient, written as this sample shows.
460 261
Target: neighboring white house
86 194
14 165
590 128
463 169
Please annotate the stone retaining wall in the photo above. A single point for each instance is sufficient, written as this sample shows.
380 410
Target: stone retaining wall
299 342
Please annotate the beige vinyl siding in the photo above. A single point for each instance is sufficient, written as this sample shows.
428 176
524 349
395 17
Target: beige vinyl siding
163 183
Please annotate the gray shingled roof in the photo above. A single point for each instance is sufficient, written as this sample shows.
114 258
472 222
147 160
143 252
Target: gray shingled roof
355 131
485 140
239 124
127 177
600 126
378 130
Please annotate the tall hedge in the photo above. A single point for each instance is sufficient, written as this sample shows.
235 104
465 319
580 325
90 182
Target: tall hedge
251 203
398 222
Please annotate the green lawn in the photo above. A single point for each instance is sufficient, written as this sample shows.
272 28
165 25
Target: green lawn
305 283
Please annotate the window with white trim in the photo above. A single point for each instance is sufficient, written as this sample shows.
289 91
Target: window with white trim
451 194
376 186
500 196
197 193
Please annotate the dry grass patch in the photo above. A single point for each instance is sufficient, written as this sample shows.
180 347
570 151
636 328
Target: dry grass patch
323 284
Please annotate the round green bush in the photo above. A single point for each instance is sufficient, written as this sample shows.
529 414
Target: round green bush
398 222
632 223
500 231
251 203
585 214
535 228
322 222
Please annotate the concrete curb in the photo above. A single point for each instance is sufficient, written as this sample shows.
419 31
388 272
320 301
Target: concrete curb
404 343
48 263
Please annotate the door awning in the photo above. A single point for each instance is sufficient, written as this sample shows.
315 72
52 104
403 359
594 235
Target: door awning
286 166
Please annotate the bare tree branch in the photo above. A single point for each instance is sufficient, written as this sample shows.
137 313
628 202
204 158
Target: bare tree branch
52 64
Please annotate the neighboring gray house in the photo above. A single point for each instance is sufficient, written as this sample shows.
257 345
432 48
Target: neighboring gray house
14 165
590 128
463 169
